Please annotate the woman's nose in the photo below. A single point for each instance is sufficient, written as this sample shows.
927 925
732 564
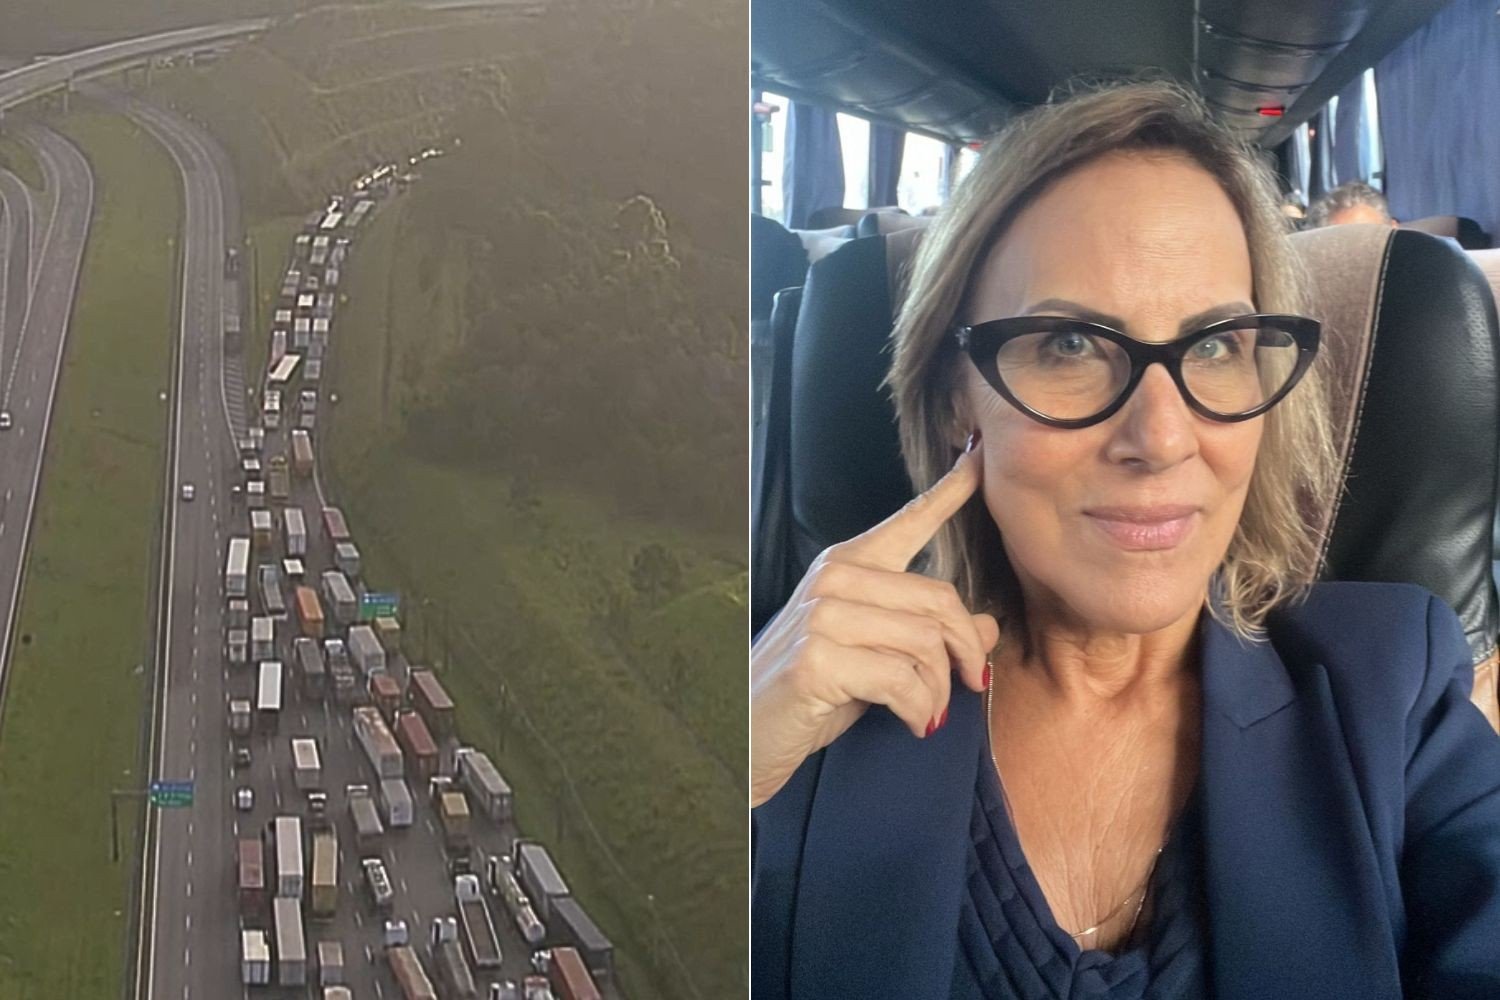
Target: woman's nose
1155 429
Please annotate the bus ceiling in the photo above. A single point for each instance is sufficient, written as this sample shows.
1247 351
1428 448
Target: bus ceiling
958 70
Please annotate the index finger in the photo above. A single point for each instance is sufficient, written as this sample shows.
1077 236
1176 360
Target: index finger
894 543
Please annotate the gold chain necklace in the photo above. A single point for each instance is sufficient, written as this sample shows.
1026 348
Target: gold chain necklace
989 729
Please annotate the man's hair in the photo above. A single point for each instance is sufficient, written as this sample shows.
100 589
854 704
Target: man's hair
1343 197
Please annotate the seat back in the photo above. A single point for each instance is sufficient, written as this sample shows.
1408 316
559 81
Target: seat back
1417 433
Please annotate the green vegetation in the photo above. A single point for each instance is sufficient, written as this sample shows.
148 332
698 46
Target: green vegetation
18 158
42 27
265 263
69 733
540 438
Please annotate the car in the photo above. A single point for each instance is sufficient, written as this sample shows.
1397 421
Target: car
4 420
244 798
241 759
188 492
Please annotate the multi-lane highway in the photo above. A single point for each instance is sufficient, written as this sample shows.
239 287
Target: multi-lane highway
40 274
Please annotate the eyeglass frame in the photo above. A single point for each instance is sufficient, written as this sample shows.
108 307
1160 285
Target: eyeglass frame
984 340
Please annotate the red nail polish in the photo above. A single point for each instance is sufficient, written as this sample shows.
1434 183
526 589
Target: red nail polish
944 720
931 727
986 673
973 440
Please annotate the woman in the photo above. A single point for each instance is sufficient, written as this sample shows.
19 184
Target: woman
1167 767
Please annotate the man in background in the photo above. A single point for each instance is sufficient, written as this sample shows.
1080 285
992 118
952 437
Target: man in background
1352 202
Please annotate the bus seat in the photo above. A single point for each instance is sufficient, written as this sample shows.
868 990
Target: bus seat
819 243
778 259
834 217
1489 266
883 221
1469 234
1417 436
769 484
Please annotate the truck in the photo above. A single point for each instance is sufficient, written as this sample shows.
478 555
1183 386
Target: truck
286 845
309 612
396 803
268 697
302 451
340 673
307 765
503 881
490 791
270 404
295 531
320 330
237 568
340 597
479 927
239 717
335 528
255 958
448 958
310 665
291 946
279 478
346 558
325 875
237 645
417 744
312 371
262 531
368 831
538 876
239 613
255 493
262 637
572 927
365 650
377 742
570 977
330 964
388 631
432 703
270 590
453 816
301 332
251 879
410 977
386 694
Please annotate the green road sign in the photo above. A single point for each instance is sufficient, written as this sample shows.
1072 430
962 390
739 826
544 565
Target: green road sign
372 606
171 794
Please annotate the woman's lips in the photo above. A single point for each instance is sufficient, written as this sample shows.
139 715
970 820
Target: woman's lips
1144 529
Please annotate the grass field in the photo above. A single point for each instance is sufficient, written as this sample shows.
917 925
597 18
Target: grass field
528 640
18 158
76 698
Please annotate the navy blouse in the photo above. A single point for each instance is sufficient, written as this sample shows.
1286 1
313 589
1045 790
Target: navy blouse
1010 947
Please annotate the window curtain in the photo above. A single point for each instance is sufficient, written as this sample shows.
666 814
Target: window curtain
1320 174
886 146
1440 129
813 169
1351 157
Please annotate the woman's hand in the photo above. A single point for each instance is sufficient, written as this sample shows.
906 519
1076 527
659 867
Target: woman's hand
860 630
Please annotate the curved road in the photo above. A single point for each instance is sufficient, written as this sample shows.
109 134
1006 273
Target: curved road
32 349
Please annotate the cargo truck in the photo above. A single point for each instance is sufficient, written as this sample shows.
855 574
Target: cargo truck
237 568
286 845
291 946
268 697
489 790
270 590
479 927
307 767
396 803
312 371
432 703
538 876
239 717
503 882
388 631
571 926
386 694
262 531
237 645
570 977
365 651
295 529
330 964
453 971
309 660
279 479
368 832
340 673
339 597
309 612
270 404
262 638
346 558
251 880
380 747
417 744
410 977
325 875
302 450
255 958
255 493
453 815
337 993
239 613
335 528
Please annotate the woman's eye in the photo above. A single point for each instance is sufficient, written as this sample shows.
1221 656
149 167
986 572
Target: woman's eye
1215 348
1070 345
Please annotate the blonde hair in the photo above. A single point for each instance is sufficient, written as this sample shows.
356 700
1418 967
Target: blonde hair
1274 554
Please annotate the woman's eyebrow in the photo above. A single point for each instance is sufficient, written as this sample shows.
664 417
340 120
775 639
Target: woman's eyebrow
1195 322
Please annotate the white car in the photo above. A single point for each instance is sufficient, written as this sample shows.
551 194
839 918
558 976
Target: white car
188 492
244 799
4 420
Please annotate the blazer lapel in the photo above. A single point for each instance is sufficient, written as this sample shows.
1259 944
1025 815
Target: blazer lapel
884 864
1293 888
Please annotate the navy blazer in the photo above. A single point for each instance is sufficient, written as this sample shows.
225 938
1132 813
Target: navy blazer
1351 823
